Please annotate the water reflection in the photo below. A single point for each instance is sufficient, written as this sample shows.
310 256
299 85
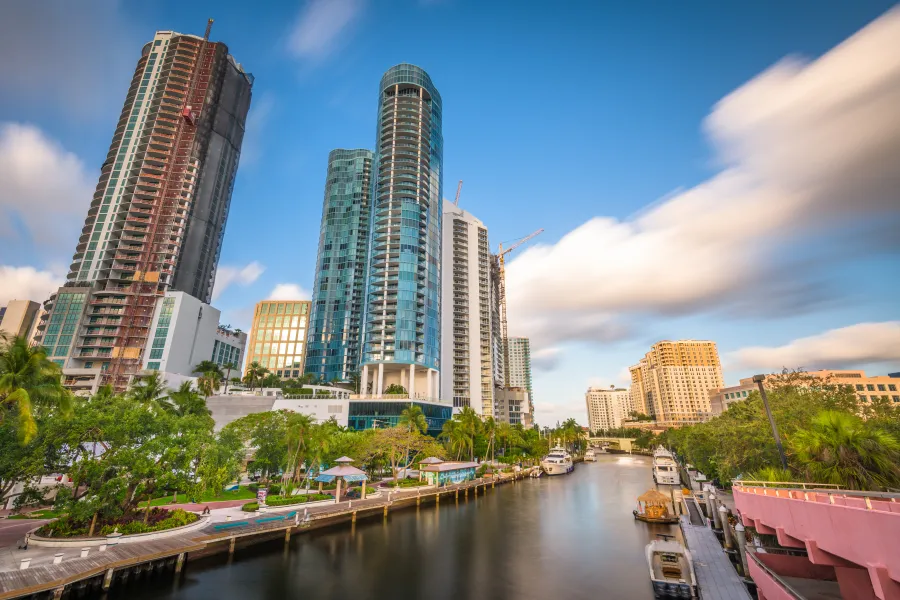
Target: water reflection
549 539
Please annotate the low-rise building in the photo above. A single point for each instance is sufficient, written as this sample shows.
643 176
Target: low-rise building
228 347
439 472
867 388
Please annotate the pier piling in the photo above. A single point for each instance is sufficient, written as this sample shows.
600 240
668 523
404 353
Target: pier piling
108 577
179 563
231 546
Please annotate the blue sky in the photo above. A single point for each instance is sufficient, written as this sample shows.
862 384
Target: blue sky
554 114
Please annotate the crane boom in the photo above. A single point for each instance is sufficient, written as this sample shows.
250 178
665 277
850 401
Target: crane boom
458 190
501 285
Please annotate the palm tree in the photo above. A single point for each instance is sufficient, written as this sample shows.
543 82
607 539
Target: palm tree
27 381
841 448
489 428
471 423
186 401
255 371
299 427
229 366
413 418
149 389
355 378
455 435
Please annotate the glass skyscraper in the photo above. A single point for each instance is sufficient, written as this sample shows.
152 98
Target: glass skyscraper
402 319
333 344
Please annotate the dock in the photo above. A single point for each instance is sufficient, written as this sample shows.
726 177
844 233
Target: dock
102 569
716 577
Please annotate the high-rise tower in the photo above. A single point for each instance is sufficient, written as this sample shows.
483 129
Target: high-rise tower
337 303
402 320
466 336
158 214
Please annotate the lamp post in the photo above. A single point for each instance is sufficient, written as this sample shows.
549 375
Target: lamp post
758 379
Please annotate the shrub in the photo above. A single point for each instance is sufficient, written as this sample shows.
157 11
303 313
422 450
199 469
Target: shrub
275 489
283 501
250 507
408 483
357 493
159 520
253 487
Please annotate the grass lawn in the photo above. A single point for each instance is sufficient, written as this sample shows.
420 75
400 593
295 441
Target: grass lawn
38 514
241 493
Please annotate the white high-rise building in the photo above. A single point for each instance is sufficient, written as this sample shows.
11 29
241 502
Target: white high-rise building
607 408
520 373
467 374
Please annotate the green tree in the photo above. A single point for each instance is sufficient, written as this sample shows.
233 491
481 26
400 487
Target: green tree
396 389
400 447
29 383
149 390
412 418
840 448
229 367
471 425
186 401
454 434
266 434
255 373
210 377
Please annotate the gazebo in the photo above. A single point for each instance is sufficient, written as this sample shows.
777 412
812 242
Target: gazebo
653 507
343 471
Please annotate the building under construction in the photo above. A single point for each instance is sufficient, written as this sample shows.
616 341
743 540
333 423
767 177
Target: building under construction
157 218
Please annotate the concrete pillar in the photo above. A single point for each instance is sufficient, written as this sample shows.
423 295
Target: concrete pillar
742 547
428 375
231 546
380 385
179 562
287 535
364 382
404 382
412 382
24 563
385 510
102 547
726 528
85 552
362 491
57 558
108 577
320 486
712 508
337 491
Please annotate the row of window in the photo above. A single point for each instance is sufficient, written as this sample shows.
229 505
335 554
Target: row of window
874 398
881 387
283 308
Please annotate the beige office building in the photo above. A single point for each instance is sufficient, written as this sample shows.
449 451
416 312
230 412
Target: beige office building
672 382
18 318
867 388
278 337
607 407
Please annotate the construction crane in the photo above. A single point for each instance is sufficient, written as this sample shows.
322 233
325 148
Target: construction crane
458 190
501 285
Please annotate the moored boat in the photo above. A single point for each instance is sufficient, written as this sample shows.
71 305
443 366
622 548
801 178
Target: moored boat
653 507
590 455
558 462
665 469
671 569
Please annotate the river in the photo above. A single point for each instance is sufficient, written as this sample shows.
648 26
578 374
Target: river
554 538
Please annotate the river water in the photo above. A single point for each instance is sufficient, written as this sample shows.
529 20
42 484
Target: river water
553 538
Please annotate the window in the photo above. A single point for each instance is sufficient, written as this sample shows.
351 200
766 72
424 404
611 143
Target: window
859 387
895 398
870 387
892 387
881 387
153 366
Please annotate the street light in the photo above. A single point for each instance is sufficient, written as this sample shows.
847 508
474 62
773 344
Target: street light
758 379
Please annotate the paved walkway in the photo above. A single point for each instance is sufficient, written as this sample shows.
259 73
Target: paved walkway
716 577
43 574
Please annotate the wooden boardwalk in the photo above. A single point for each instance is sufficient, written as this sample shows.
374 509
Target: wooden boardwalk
716 577
119 559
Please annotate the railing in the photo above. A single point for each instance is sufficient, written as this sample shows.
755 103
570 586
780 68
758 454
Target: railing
790 484
785 586
834 495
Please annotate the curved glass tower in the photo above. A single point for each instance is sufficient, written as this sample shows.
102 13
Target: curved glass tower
334 325
402 323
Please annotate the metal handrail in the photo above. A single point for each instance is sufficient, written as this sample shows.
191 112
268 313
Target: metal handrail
795 484
785 585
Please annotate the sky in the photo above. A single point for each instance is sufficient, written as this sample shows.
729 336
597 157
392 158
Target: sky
721 171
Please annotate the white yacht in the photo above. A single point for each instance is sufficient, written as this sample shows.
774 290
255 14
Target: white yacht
558 462
665 469
590 455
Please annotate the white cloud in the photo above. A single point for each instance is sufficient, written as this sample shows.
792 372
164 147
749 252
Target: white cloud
243 276
846 347
547 414
810 153
75 57
288 291
42 185
320 25
26 283
546 359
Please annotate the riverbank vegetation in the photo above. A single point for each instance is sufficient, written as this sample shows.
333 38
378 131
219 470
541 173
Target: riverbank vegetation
829 436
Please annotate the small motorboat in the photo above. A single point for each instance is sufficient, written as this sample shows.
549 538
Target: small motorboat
653 507
590 455
671 569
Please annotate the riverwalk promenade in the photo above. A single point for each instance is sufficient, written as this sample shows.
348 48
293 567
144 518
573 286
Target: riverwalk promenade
223 530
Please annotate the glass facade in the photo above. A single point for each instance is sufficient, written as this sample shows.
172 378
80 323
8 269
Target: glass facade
403 288
337 303
375 414
63 324
278 337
